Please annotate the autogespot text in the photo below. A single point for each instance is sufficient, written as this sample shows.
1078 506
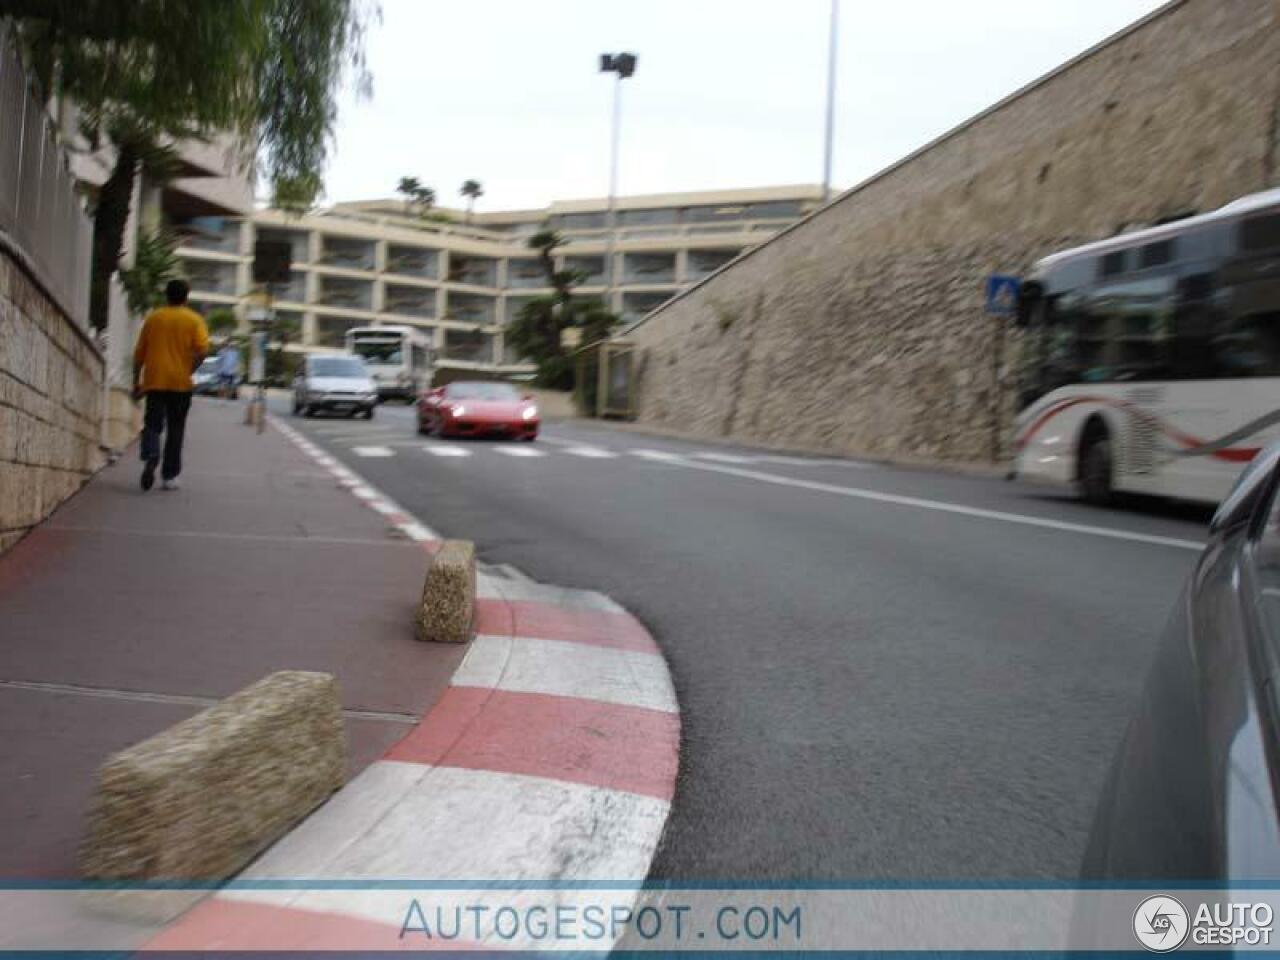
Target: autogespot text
738 923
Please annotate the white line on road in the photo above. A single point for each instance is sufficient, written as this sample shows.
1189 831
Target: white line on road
445 450
519 451
940 506
725 457
663 456
373 451
591 453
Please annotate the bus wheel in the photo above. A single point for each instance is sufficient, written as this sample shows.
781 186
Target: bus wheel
1096 468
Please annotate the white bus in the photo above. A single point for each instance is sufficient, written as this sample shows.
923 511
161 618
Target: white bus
1152 359
400 359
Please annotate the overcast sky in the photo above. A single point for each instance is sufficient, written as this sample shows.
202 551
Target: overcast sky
728 93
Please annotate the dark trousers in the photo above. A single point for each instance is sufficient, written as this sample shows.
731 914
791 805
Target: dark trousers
167 414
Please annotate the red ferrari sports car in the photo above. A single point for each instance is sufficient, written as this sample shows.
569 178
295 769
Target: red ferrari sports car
475 409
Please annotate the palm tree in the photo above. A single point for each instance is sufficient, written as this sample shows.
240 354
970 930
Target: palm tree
425 198
473 191
409 187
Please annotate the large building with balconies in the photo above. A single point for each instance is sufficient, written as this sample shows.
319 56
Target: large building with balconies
371 262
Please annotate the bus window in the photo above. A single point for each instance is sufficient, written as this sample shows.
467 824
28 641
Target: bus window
1249 346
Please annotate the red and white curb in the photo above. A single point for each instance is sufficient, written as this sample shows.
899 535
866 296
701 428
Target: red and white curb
550 761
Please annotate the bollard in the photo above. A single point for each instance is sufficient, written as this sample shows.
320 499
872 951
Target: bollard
448 604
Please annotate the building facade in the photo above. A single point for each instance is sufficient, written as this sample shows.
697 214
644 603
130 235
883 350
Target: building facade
463 283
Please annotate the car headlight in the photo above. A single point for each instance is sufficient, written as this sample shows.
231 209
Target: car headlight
530 413
458 410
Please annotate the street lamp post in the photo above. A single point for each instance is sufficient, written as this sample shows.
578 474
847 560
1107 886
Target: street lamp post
622 65
832 51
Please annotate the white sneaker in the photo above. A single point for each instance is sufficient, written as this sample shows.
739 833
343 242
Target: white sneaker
170 484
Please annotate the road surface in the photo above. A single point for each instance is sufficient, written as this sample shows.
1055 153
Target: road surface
884 673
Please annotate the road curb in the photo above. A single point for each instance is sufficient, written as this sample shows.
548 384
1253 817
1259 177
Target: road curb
550 760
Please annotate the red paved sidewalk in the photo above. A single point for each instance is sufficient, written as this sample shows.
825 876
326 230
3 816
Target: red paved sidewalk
125 611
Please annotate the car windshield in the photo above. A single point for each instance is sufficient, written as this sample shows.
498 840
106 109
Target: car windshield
337 367
483 391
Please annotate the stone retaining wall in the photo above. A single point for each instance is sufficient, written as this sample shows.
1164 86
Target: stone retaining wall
50 404
861 329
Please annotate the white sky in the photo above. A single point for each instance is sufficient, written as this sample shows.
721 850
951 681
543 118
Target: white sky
728 93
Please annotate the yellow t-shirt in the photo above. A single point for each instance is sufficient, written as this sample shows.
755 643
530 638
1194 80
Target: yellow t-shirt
171 342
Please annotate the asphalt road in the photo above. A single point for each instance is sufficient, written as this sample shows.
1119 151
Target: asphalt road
884 673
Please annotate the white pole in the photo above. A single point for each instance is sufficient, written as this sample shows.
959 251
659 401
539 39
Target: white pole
611 216
832 36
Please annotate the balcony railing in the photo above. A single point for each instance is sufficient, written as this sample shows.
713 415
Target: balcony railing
348 256
410 301
467 346
351 296
423 264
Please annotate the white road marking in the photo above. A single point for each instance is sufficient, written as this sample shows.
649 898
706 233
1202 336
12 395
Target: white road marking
662 456
519 451
941 506
813 462
591 453
445 450
373 451
725 457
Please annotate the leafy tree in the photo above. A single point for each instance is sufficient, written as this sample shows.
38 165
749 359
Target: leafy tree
537 330
155 263
145 73
473 191
222 322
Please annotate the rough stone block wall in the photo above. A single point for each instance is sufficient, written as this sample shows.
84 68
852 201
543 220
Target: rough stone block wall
861 330
50 404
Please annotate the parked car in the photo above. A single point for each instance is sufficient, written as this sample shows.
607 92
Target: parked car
204 381
478 409
335 383
1192 794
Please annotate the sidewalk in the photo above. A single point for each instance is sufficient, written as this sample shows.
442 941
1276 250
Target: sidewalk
127 612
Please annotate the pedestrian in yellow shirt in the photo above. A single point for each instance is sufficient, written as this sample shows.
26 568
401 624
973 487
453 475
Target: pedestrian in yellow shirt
171 344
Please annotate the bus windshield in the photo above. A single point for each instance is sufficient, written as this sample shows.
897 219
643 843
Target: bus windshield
383 351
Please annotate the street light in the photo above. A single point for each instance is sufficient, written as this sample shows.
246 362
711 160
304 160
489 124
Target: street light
832 53
622 65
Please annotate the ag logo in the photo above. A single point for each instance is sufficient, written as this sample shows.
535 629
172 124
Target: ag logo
1161 923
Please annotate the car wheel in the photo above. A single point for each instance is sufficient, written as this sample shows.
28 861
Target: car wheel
368 413
1096 468
308 411
297 407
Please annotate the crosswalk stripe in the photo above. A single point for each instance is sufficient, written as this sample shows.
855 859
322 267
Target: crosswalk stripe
519 451
445 450
373 451
591 453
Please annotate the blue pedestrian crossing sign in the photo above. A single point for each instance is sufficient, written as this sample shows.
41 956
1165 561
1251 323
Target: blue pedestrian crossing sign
1002 294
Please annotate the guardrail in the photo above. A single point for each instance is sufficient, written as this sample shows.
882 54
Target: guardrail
40 210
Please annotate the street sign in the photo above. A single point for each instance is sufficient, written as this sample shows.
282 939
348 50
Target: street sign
1002 294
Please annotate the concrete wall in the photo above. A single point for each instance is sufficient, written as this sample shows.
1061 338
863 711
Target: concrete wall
50 404
861 329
